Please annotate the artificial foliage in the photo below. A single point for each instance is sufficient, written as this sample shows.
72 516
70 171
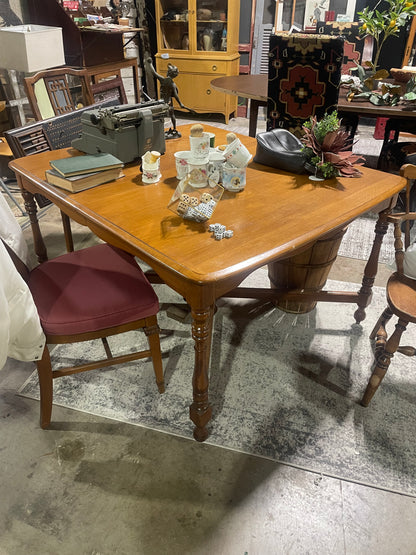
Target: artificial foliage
380 25
328 148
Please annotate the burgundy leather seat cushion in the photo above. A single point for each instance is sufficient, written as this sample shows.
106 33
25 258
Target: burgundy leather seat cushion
91 289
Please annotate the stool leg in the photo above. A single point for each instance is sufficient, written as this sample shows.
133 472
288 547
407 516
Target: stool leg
383 362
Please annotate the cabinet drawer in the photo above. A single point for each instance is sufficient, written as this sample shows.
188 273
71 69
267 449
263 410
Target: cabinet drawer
216 67
195 92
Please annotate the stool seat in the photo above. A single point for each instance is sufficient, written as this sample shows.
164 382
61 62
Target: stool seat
4 148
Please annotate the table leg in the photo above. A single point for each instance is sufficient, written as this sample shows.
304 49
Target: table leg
254 112
200 411
370 270
31 209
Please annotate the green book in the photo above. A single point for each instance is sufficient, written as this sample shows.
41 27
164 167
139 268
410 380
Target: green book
85 164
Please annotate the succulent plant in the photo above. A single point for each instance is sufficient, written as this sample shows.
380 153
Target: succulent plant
328 148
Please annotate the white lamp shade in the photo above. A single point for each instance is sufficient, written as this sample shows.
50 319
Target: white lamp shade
31 48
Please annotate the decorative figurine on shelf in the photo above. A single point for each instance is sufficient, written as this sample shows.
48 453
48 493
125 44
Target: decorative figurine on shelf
168 92
120 9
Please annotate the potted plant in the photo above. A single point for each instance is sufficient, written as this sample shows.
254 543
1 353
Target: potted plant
328 149
380 25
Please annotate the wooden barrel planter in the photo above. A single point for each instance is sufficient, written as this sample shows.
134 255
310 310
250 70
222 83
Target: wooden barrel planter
306 271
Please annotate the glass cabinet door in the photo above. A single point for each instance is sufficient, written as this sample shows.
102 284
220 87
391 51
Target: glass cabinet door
174 24
211 22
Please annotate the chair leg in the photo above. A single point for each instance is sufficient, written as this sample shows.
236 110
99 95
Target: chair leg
381 323
46 388
383 362
152 332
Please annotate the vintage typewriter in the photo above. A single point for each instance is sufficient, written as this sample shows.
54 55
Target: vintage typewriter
127 131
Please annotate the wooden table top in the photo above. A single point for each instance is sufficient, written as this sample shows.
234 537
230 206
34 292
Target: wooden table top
365 108
246 86
255 87
275 215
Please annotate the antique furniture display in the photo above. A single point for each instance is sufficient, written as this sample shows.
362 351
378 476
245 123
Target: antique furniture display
304 77
277 215
401 298
201 40
92 293
101 51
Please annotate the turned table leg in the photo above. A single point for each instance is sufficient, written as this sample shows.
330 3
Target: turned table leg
200 411
370 270
31 209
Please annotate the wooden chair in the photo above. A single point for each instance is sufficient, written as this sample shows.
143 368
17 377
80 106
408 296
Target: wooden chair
91 294
108 89
54 92
401 299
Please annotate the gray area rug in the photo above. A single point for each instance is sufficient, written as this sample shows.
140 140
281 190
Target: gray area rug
359 237
283 386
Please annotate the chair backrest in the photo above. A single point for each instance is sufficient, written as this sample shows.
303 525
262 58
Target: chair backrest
405 257
304 78
353 42
109 89
51 134
409 172
54 92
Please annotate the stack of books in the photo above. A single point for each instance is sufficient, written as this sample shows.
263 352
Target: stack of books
83 172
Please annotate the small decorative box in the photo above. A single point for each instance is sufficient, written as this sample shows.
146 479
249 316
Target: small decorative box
195 201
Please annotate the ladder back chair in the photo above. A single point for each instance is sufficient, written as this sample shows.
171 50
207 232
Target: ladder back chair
54 92
401 297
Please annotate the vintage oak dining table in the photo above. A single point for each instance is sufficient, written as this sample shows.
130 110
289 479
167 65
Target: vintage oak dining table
276 215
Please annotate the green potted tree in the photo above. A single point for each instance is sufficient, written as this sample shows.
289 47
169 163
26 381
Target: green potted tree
379 25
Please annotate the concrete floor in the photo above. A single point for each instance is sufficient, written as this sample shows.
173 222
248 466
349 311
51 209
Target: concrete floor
92 486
